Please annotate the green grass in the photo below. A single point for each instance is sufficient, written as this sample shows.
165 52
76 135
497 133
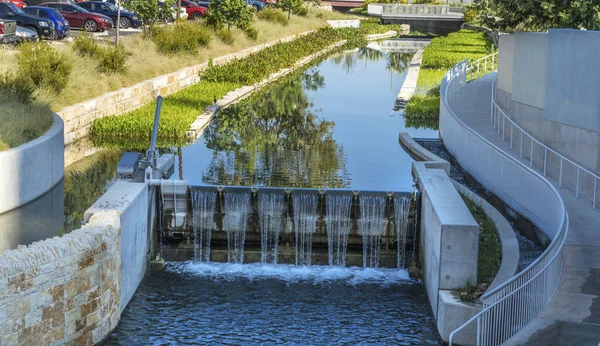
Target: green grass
179 110
490 253
22 122
422 110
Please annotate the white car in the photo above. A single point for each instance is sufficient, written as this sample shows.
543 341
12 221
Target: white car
182 12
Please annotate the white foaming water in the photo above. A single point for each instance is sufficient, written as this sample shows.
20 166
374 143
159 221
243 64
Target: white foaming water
290 273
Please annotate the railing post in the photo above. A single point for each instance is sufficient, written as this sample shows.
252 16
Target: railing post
493 61
545 160
521 146
503 127
531 155
478 341
577 185
485 65
511 139
560 173
594 202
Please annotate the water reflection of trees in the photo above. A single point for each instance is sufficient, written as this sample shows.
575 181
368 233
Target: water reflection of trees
396 61
275 139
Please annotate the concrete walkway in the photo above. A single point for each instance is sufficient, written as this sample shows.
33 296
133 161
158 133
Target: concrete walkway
573 315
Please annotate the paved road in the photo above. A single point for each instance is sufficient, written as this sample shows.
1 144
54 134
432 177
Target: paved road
573 315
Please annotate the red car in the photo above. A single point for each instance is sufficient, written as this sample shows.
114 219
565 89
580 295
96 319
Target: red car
18 3
193 10
81 18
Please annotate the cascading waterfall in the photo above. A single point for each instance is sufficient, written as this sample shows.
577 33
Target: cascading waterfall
271 209
203 209
401 211
305 224
236 209
338 227
371 226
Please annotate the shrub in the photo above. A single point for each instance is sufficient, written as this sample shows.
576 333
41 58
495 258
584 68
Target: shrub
445 52
471 14
229 12
85 45
319 15
301 11
183 37
273 15
113 59
251 33
225 36
43 66
423 111
17 87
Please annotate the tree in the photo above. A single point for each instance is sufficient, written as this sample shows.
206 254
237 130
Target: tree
536 15
151 12
289 6
231 12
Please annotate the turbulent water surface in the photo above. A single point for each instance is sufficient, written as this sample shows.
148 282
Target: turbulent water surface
195 303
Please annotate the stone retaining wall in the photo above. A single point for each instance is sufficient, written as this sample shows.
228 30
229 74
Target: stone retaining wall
63 290
79 118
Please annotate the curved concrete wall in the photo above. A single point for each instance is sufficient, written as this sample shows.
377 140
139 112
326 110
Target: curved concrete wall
32 169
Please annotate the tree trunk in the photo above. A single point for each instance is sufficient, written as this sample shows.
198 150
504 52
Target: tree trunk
289 14
178 10
118 20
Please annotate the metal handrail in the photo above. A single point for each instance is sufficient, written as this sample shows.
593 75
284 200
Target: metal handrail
496 122
553 250
475 66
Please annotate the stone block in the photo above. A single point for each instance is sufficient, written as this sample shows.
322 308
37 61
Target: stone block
10 340
18 308
33 318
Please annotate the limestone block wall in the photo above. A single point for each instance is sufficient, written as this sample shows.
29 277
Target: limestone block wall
79 117
63 290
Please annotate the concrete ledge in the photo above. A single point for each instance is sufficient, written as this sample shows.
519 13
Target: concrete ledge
510 246
32 169
430 160
453 313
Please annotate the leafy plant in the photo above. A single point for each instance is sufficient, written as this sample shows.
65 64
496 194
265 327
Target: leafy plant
229 12
85 46
225 36
273 15
423 111
251 33
150 12
17 87
290 6
43 66
113 59
183 37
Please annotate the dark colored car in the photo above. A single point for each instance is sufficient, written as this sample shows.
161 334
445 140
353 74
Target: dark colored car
193 10
18 3
81 18
128 19
27 3
8 28
43 27
61 25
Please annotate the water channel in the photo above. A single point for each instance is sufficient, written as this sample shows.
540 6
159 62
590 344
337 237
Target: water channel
330 126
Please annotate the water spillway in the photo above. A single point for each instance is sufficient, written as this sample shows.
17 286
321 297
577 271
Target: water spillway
293 226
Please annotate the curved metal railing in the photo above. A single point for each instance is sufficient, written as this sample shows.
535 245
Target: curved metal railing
554 164
508 308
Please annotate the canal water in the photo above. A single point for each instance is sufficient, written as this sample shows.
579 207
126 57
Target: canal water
330 126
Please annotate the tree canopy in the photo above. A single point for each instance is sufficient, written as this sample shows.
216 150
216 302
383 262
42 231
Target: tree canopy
539 15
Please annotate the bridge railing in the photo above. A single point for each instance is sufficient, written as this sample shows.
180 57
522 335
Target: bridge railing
508 308
482 66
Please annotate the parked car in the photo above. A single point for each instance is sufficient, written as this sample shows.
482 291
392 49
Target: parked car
128 19
18 3
43 27
81 18
194 11
26 35
61 25
8 27
27 3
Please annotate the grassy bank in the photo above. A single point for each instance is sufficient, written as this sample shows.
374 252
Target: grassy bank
21 122
86 82
443 53
490 253
181 109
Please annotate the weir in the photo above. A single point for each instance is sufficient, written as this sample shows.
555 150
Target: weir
297 226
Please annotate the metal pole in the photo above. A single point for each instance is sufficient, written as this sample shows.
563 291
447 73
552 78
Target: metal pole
531 155
521 146
545 160
118 2
152 153
577 186
594 202
511 136
560 173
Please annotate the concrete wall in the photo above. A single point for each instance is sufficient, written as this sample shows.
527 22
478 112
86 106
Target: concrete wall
529 68
506 55
62 290
449 236
32 169
573 79
79 118
131 201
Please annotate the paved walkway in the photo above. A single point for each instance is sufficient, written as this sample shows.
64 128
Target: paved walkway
573 315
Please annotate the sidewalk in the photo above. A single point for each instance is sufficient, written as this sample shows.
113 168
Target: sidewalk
573 315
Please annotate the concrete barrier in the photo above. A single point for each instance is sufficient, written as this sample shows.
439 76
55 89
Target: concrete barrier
32 169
